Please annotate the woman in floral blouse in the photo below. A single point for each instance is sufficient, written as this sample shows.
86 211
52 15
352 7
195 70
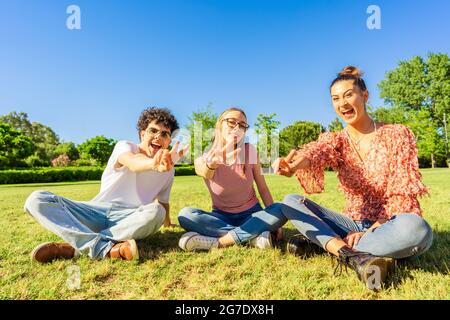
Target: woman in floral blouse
377 167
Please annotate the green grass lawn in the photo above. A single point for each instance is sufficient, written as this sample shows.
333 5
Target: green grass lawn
165 272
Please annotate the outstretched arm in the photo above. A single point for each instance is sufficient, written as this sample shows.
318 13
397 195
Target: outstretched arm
138 162
163 161
289 165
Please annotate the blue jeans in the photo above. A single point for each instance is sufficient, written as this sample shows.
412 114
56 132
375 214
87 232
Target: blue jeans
242 226
93 228
405 235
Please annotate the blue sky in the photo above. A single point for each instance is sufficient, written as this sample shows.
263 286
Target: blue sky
264 56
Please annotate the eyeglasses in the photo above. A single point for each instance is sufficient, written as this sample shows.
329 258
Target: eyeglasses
163 133
232 123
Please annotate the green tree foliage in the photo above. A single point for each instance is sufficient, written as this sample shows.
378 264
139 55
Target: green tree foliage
45 141
416 89
67 148
404 86
201 129
14 146
44 138
429 142
335 125
266 127
298 134
18 121
98 148
390 115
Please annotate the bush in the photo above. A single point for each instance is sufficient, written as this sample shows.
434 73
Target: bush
61 161
98 148
67 148
50 175
45 175
84 163
185 170
36 161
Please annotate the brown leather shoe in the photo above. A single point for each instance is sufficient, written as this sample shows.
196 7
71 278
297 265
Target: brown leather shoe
49 251
127 250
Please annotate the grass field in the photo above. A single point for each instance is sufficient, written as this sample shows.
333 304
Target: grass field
165 272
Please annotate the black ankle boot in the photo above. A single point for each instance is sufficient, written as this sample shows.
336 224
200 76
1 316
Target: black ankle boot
302 246
371 270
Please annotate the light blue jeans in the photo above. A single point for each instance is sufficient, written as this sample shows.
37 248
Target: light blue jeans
93 228
242 226
405 235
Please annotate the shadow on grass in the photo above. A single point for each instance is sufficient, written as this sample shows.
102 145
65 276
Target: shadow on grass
167 241
155 245
434 261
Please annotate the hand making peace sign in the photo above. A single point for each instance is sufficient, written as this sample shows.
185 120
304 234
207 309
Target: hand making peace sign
165 159
225 155
289 165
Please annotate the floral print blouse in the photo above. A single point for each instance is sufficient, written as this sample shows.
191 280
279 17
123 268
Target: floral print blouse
387 183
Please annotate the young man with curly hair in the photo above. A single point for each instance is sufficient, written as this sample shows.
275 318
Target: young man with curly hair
132 204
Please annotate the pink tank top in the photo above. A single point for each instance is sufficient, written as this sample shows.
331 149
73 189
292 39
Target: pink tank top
231 190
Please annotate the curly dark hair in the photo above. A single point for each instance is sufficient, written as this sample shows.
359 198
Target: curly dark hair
161 115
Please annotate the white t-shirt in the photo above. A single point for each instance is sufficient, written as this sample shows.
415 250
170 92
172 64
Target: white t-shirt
130 189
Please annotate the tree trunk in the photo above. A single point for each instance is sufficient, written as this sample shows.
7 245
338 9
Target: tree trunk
433 162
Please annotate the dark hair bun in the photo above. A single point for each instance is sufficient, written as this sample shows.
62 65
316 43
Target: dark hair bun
351 70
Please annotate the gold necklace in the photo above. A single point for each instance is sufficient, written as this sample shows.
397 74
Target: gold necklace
356 144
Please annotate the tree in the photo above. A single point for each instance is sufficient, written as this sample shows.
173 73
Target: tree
429 142
390 115
45 141
421 85
405 86
18 121
98 148
67 148
14 146
266 127
43 137
201 127
335 125
298 134
431 146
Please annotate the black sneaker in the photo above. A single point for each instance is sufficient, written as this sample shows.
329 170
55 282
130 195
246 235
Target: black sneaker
371 270
301 246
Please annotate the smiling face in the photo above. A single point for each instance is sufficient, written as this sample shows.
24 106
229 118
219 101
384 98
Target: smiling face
154 138
349 101
233 126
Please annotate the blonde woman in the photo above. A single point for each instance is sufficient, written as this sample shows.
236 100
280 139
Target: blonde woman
230 169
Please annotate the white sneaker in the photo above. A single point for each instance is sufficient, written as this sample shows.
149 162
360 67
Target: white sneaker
192 241
263 241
